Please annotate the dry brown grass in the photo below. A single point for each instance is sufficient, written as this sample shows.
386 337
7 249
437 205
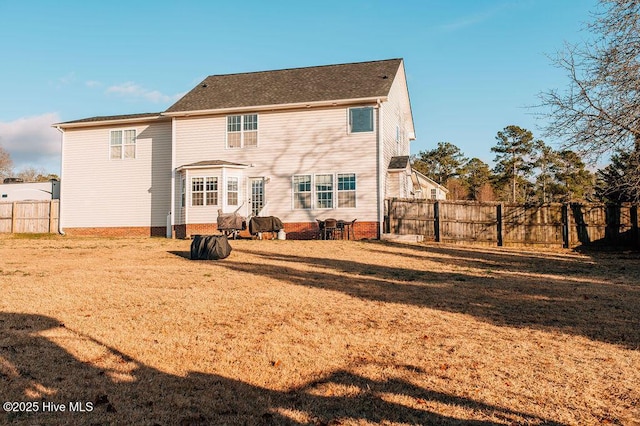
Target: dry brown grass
318 332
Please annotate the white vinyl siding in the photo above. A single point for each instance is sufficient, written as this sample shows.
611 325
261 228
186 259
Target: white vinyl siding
291 143
396 126
99 192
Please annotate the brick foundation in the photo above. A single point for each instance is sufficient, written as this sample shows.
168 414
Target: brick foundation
295 231
124 231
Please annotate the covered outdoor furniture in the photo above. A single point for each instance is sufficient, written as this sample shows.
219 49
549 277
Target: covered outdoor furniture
259 224
210 247
231 223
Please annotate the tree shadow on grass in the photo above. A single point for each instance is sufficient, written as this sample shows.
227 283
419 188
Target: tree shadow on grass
113 388
545 292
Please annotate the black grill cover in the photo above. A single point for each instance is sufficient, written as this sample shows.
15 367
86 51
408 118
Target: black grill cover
210 247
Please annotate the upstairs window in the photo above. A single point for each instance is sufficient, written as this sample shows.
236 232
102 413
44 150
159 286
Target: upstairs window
242 131
360 120
123 144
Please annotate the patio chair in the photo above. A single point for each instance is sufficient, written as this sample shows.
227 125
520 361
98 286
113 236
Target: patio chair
330 228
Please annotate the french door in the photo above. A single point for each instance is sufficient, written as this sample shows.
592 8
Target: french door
257 195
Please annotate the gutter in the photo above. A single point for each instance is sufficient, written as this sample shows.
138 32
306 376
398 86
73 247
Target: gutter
380 168
171 233
275 107
98 123
60 229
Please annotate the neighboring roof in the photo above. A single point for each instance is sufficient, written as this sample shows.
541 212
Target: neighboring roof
399 163
211 163
418 178
290 86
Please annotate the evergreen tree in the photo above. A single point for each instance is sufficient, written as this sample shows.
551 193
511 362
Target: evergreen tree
513 160
441 163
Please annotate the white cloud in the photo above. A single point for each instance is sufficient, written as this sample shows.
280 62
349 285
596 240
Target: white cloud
133 91
32 142
92 83
473 19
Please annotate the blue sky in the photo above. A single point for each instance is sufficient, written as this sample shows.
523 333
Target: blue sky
473 66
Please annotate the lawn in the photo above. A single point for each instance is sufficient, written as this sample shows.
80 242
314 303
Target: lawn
316 332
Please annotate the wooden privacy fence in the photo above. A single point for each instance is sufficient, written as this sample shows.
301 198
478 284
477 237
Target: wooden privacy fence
21 217
500 224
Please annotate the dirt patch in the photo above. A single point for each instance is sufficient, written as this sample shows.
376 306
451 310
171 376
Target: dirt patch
317 332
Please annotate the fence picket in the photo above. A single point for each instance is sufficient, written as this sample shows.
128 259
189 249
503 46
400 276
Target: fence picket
555 225
39 217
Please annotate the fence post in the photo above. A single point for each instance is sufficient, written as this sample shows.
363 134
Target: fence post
50 216
391 215
14 212
499 224
565 225
436 221
633 213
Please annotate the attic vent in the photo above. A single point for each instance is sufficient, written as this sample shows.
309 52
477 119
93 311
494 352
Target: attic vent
384 77
204 85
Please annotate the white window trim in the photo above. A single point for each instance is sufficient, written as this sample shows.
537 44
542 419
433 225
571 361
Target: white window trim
135 143
373 120
242 131
183 192
314 196
204 191
228 179
293 193
333 191
355 175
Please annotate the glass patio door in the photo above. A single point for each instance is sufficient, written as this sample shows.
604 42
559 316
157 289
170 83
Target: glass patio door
257 195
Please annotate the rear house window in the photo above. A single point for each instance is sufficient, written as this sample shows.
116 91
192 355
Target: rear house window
361 120
122 144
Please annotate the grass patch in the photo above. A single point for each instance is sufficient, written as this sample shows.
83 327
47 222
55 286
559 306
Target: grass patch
303 332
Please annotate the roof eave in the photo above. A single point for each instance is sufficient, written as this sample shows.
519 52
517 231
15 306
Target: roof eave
277 107
213 166
72 125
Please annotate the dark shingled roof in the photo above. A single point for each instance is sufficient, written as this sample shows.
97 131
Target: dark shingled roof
114 117
399 163
296 85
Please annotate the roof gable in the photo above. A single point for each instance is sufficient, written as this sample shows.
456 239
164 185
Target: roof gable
289 86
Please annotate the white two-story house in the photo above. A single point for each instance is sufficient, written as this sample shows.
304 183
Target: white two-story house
300 144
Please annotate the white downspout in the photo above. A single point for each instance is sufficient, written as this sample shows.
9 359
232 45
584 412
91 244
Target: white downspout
379 135
172 209
60 228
